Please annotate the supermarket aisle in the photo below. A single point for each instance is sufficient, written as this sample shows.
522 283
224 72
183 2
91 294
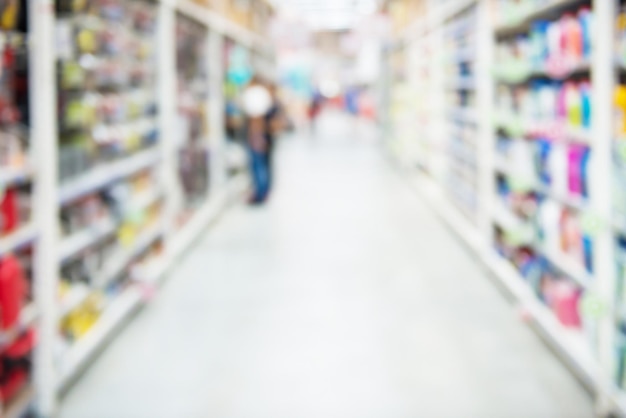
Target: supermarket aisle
345 297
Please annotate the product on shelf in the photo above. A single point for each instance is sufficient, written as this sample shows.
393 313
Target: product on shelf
462 173
107 99
193 141
18 339
111 191
16 331
544 153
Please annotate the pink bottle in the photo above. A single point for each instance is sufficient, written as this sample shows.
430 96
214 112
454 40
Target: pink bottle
566 298
575 155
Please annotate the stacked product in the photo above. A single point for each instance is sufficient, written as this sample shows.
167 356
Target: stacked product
619 195
16 236
110 194
192 70
544 155
238 73
107 83
462 176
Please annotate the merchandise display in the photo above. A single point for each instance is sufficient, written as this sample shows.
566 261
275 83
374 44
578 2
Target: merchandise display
529 183
192 71
462 176
17 233
544 153
108 117
105 208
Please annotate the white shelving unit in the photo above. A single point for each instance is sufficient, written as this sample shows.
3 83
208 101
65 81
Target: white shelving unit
53 375
589 350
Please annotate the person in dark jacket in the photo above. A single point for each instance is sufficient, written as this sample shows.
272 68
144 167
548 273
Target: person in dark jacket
274 124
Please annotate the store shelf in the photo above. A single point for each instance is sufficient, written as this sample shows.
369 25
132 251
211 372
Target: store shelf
559 72
203 217
220 24
80 241
465 55
508 220
21 238
502 166
125 304
455 219
464 115
125 255
619 224
28 316
521 22
85 348
571 345
148 198
107 174
574 202
450 10
557 131
74 298
462 83
12 176
19 406
568 266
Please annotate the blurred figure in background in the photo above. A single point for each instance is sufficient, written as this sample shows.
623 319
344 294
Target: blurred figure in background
315 109
275 123
257 103
351 101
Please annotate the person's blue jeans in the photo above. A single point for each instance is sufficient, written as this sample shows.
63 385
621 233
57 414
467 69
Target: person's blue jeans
260 175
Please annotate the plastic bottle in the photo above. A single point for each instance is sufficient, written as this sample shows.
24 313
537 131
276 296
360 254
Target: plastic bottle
572 38
585 17
620 109
549 214
573 100
558 166
554 40
586 103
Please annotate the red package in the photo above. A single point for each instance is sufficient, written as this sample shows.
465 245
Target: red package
22 346
9 212
13 288
12 384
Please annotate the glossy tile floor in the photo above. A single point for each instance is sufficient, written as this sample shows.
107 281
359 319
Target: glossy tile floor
345 297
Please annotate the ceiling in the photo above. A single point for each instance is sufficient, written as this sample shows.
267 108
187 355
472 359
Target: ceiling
329 14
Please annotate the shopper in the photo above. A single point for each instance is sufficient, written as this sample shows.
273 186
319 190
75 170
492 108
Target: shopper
257 102
315 109
274 124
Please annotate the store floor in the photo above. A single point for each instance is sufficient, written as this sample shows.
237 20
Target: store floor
345 297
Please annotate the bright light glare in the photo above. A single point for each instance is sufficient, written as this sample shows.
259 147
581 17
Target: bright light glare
331 14
367 7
